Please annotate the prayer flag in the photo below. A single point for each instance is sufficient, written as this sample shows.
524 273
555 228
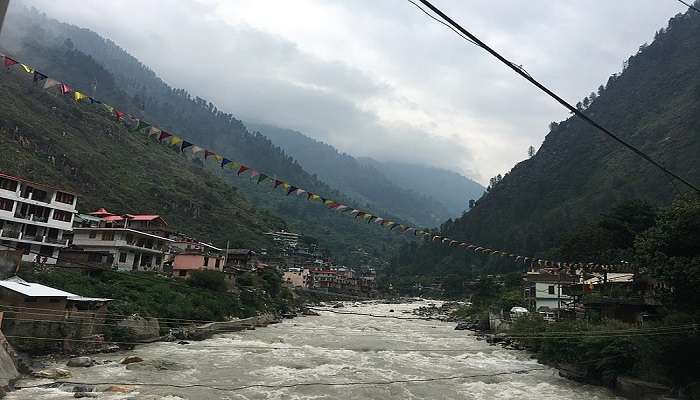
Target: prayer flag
174 140
291 189
185 144
51 83
163 135
64 88
154 131
38 76
119 115
9 61
77 96
208 153
262 177
140 125
27 68
242 169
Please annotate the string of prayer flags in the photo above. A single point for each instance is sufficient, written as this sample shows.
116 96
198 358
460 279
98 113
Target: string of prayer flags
134 124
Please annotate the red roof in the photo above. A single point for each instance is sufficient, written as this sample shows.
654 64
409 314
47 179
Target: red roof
144 217
101 212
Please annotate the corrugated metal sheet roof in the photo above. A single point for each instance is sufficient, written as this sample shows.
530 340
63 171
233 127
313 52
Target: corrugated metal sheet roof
19 285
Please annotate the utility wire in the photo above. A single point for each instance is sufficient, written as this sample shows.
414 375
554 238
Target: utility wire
442 22
291 385
556 97
692 7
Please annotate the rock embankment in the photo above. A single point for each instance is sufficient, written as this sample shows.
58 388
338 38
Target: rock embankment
442 313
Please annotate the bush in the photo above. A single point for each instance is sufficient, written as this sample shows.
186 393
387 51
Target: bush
211 280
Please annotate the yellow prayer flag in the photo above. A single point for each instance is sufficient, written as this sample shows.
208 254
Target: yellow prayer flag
233 165
286 186
27 68
175 140
79 96
218 157
315 197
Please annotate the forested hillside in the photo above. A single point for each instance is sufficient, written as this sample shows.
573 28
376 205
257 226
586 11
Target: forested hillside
49 138
82 58
359 180
578 173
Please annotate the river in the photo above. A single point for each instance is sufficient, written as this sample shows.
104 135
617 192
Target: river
334 348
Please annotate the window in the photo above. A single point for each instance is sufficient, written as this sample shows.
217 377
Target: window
93 234
64 198
8 184
6 204
206 261
59 215
122 257
217 264
551 289
108 235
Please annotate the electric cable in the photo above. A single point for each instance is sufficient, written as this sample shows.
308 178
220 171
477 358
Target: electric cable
556 97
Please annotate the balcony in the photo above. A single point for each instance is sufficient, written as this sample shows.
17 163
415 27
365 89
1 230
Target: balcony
63 242
10 234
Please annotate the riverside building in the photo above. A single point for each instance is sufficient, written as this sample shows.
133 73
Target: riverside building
35 218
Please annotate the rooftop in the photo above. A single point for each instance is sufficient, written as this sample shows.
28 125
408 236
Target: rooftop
19 285
35 184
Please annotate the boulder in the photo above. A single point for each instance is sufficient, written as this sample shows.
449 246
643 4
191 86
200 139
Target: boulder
80 362
117 389
130 360
83 388
462 326
84 395
141 328
309 313
52 373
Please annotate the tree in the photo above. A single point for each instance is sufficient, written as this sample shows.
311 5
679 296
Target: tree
205 279
531 151
585 103
472 203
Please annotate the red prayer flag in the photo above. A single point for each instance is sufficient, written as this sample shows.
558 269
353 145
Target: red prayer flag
242 169
9 61
208 153
119 115
163 135
65 89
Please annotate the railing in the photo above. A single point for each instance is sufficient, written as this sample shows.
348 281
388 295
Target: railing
20 216
55 240
38 218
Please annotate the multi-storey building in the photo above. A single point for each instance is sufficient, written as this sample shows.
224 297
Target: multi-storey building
35 218
132 240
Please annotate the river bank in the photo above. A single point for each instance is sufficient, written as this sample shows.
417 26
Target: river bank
325 357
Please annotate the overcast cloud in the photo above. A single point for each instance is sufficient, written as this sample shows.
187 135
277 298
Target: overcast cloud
377 77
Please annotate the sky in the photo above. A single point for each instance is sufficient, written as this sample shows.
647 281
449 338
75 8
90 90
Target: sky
378 78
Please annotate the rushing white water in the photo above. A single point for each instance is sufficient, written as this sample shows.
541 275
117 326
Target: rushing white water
334 348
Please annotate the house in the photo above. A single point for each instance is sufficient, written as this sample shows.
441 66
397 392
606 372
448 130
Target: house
197 259
136 242
35 310
241 258
35 218
544 290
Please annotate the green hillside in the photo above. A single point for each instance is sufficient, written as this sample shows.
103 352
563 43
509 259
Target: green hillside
49 138
579 173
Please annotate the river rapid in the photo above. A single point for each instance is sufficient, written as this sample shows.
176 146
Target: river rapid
333 348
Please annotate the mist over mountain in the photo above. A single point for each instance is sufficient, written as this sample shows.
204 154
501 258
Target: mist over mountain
424 195
450 188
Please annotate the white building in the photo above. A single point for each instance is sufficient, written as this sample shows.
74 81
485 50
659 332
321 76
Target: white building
134 241
544 290
35 218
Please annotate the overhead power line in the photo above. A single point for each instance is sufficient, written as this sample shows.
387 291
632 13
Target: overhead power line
293 385
556 97
692 7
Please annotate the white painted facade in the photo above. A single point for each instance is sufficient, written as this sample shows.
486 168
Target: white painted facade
549 294
132 250
35 218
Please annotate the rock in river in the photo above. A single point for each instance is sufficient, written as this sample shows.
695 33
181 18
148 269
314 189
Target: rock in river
156 365
52 373
80 362
130 360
